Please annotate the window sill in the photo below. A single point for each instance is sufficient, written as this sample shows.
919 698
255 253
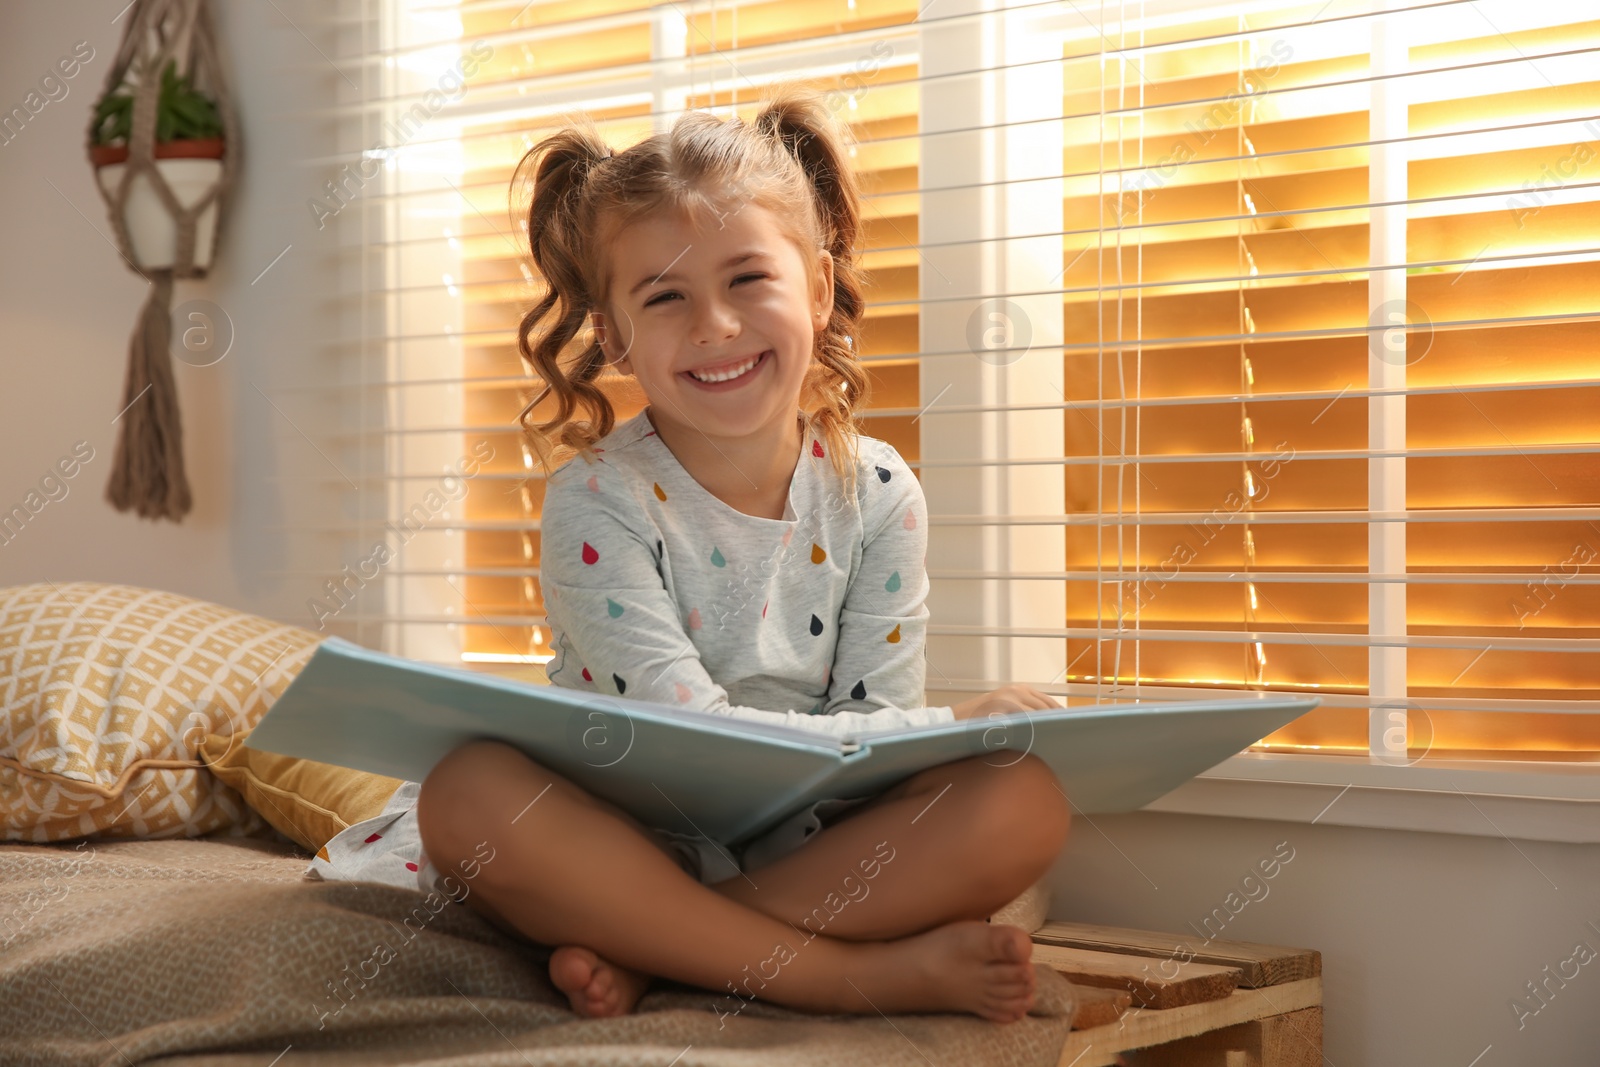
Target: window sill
1555 802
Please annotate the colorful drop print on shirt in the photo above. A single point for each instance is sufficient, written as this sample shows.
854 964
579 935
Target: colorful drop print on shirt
883 475
717 559
590 556
860 691
817 553
613 608
816 626
660 493
894 635
893 584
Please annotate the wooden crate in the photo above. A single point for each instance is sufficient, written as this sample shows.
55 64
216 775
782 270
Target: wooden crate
1149 999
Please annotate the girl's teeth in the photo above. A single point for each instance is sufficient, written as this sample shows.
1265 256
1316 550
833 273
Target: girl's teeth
726 375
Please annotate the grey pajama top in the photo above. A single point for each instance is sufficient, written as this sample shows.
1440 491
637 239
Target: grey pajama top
657 590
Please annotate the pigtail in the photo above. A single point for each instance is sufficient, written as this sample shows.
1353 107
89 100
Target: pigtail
838 386
552 177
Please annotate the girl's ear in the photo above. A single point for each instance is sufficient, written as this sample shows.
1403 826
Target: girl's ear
609 343
823 301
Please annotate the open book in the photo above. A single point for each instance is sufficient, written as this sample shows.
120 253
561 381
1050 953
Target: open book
730 779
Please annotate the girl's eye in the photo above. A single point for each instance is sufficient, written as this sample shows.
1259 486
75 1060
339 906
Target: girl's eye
659 297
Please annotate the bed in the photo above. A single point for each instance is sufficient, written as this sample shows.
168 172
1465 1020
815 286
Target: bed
218 950
155 906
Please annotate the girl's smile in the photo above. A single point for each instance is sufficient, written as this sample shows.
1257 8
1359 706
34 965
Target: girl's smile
730 375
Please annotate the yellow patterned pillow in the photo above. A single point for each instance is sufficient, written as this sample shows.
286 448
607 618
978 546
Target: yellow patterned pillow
106 692
306 801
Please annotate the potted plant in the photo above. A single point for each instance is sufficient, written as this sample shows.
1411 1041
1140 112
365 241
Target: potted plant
187 149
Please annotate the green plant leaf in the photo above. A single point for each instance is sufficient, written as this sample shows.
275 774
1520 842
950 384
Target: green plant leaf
108 104
201 113
113 119
182 112
185 109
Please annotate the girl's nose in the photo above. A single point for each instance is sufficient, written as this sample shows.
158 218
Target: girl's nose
716 323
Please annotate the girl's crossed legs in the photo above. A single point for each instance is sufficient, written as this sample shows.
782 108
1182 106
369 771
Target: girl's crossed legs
881 911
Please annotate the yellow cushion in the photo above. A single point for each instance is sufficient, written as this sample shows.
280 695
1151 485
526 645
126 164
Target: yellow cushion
105 693
305 801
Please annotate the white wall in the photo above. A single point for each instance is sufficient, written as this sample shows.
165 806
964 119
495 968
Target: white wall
68 303
1425 938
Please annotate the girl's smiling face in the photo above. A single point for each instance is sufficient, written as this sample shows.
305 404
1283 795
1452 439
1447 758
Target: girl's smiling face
716 323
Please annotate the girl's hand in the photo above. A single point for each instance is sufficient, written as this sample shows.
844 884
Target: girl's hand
1015 697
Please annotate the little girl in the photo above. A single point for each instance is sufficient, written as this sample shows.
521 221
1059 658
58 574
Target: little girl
736 548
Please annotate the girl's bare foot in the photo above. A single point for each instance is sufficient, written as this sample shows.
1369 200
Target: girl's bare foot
976 967
597 987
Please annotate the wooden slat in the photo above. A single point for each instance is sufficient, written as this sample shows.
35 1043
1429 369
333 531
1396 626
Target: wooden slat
1101 1046
1259 965
1194 983
1099 1007
1293 1039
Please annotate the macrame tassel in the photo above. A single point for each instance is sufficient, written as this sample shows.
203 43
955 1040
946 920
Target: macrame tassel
147 473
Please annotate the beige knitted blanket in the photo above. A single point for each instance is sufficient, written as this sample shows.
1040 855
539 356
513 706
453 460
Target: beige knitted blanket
217 951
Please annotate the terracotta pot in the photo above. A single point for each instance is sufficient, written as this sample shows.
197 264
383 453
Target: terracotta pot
206 148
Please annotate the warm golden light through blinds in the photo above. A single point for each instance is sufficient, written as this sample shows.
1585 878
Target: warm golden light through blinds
1177 432
1400 519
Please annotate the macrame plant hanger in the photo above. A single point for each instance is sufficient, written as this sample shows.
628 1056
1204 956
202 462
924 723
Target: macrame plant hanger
147 470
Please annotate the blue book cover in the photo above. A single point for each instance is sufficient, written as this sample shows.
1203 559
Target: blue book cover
730 779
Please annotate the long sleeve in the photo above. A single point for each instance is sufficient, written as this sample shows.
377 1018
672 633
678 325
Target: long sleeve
880 662
614 625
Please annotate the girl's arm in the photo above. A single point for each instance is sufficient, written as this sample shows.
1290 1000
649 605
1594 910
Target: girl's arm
607 607
880 661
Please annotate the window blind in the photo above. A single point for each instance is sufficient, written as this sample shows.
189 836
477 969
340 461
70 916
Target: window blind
1237 347
1331 346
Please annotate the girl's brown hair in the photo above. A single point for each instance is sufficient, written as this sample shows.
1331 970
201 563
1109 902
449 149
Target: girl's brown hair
580 194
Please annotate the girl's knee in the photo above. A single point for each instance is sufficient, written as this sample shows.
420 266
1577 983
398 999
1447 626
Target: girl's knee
1047 796
473 757
472 764
455 789
1025 797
